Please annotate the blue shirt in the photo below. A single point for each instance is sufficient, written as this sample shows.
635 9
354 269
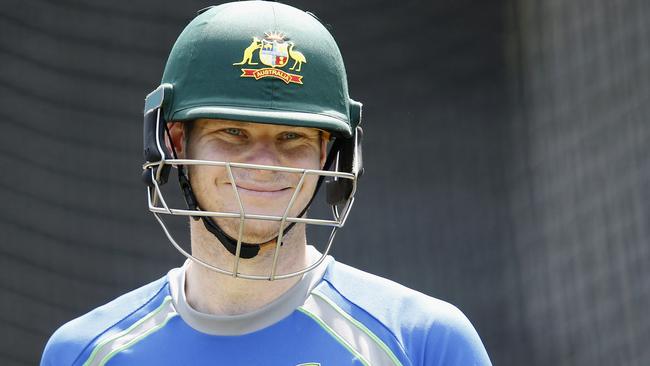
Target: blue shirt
335 315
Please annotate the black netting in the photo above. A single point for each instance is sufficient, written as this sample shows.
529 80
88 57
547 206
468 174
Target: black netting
506 154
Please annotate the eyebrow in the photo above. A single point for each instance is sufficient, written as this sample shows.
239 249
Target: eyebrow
227 123
249 124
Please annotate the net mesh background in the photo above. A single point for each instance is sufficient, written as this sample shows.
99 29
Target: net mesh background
580 180
506 152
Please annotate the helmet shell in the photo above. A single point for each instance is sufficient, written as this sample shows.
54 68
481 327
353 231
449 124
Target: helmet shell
259 61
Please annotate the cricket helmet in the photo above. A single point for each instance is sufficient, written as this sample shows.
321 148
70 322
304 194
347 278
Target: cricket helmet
254 61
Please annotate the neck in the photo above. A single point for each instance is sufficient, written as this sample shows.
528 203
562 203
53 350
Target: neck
214 293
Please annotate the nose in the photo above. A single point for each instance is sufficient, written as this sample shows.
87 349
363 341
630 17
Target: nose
263 153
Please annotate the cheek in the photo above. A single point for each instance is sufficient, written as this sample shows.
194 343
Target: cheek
205 178
217 147
306 156
208 152
201 176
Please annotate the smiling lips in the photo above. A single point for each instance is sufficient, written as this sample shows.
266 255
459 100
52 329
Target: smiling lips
260 190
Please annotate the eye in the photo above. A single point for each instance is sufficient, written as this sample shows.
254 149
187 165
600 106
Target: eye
289 136
234 131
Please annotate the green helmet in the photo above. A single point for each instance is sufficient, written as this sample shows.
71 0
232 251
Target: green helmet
262 62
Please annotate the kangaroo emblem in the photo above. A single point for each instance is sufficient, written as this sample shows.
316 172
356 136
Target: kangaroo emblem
248 52
298 57
272 53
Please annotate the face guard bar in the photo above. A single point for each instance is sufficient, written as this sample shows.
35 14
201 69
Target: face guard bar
157 205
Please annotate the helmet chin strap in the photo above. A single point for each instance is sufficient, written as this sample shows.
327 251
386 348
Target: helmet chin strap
248 250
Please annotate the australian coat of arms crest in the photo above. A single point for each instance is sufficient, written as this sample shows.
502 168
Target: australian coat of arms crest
275 52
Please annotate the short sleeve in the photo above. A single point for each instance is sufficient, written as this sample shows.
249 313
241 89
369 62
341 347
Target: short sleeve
453 341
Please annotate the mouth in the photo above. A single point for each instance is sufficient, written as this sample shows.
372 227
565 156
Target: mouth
260 190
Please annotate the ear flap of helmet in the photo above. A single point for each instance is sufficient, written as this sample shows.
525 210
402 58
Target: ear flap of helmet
349 160
355 113
356 109
154 136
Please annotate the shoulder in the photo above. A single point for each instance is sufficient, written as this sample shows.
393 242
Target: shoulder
427 330
74 338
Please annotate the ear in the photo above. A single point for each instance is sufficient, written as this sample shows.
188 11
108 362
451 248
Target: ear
177 133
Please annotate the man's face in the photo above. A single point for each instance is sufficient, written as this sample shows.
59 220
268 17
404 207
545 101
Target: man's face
262 192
